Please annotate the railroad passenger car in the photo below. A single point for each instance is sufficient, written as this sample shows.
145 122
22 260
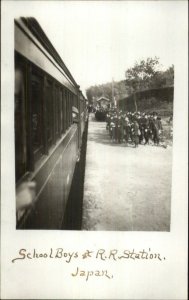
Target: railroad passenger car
47 136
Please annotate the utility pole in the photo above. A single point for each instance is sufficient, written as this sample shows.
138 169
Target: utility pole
113 97
134 95
135 101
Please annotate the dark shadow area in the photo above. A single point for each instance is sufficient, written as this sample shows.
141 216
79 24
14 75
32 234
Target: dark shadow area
73 213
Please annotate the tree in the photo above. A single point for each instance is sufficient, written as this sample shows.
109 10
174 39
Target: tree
142 75
94 92
169 76
146 74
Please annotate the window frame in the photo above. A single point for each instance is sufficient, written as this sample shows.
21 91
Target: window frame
65 100
40 151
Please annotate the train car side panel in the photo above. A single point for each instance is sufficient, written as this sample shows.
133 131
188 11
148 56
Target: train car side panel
53 180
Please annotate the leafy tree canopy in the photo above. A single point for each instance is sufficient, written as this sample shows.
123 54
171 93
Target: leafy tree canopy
145 74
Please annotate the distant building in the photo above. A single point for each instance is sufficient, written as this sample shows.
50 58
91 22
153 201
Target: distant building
103 102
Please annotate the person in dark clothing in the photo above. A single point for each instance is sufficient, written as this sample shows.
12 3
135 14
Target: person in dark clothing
112 128
156 128
136 133
116 127
140 123
119 129
107 121
127 130
146 129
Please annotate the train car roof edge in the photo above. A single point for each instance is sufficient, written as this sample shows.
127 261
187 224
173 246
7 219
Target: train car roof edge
35 28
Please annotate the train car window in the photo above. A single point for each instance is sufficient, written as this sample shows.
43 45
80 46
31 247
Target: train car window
57 112
71 103
67 110
66 102
70 108
61 112
49 111
75 114
75 101
81 105
65 117
37 116
64 110
20 122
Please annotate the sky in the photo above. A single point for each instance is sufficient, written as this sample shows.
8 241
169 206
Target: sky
99 41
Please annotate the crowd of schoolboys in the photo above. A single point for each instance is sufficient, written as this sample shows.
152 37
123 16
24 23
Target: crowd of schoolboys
134 127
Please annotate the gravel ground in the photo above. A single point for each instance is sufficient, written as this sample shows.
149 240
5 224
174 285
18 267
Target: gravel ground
125 188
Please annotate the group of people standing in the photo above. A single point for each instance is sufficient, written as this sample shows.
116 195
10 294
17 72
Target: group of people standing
135 127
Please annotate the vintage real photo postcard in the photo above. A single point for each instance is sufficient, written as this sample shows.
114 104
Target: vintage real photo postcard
94 149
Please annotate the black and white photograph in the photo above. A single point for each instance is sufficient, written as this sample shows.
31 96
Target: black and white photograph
95 154
94 143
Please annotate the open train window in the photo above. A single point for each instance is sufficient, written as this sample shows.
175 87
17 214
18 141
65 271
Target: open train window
49 112
81 105
20 121
75 114
75 101
37 116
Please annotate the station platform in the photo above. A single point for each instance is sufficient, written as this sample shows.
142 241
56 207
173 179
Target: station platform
125 188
